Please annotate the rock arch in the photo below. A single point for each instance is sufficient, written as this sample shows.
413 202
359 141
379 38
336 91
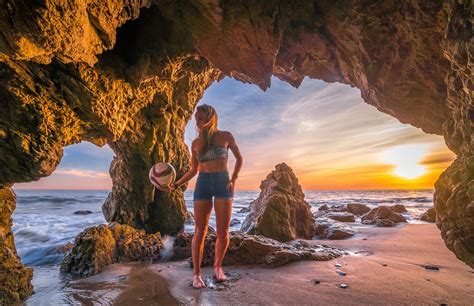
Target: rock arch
130 74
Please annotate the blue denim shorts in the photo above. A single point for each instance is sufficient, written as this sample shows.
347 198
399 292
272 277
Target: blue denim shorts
211 184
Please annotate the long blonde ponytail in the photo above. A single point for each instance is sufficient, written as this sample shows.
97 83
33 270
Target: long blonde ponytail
209 127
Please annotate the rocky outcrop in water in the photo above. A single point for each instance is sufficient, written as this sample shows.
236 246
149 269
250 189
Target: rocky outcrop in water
280 211
382 216
102 245
429 215
329 229
398 208
340 216
129 73
358 209
247 249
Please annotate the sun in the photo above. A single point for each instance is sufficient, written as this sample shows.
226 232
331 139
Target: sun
406 158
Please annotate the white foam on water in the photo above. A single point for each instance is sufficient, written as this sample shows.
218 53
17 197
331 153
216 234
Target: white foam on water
167 251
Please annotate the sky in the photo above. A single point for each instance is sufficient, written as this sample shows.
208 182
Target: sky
325 132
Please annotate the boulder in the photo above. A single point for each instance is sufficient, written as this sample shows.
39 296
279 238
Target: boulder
429 215
83 212
98 246
234 222
323 207
189 218
398 208
329 229
280 211
358 209
380 213
245 249
340 216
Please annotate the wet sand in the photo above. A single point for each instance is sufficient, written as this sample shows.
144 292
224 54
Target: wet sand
386 268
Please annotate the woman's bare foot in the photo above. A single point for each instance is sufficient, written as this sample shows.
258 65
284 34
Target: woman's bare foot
198 283
219 272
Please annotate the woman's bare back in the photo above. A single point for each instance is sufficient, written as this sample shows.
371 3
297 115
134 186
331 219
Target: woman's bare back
220 138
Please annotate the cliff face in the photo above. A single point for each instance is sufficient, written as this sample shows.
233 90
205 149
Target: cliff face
129 73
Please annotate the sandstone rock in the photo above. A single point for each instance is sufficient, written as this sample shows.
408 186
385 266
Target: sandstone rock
102 245
65 248
280 211
94 249
429 215
398 208
358 209
329 229
189 218
247 249
381 213
15 278
454 202
340 216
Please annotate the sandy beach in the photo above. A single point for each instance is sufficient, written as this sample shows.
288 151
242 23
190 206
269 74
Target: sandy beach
386 267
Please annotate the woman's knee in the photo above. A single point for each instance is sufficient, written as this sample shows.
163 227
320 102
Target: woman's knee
200 231
223 234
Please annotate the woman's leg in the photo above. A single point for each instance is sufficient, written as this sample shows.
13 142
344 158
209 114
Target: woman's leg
202 212
223 209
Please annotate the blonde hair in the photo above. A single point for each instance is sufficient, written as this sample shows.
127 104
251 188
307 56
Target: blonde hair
209 127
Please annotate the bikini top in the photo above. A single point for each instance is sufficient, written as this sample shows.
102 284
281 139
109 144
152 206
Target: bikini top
214 151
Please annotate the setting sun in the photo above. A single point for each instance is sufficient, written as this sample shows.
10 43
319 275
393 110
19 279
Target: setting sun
407 160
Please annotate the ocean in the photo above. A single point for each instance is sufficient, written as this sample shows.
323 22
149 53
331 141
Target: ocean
44 221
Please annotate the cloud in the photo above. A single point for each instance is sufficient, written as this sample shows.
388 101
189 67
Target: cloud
82 173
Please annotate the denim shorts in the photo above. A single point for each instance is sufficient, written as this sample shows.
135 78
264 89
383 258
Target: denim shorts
211 184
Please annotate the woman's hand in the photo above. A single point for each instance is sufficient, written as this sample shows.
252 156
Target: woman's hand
231 185
170 187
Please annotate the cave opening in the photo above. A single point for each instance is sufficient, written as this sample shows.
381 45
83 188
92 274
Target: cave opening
51 212
339 147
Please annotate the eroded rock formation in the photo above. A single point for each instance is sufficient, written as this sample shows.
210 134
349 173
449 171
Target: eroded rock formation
102 245
331 229
383 216
429 215
15 281
129 73
247 249
280 211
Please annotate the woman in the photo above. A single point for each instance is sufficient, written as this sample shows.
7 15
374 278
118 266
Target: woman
209 157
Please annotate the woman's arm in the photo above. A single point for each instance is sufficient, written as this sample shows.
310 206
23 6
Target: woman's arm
238 157
191 172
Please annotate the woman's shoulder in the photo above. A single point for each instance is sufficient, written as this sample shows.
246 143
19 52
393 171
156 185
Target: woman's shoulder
224 134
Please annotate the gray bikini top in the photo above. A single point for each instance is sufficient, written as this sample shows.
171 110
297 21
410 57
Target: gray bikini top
214 151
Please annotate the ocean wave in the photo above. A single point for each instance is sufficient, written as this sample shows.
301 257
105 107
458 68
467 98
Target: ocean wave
31 235
42 255
55 200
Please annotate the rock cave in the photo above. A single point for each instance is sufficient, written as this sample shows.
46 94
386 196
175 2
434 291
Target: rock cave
130 73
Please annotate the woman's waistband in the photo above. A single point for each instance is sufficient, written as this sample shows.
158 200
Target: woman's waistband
213 173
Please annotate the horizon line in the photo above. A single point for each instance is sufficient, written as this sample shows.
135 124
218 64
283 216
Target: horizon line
381 189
